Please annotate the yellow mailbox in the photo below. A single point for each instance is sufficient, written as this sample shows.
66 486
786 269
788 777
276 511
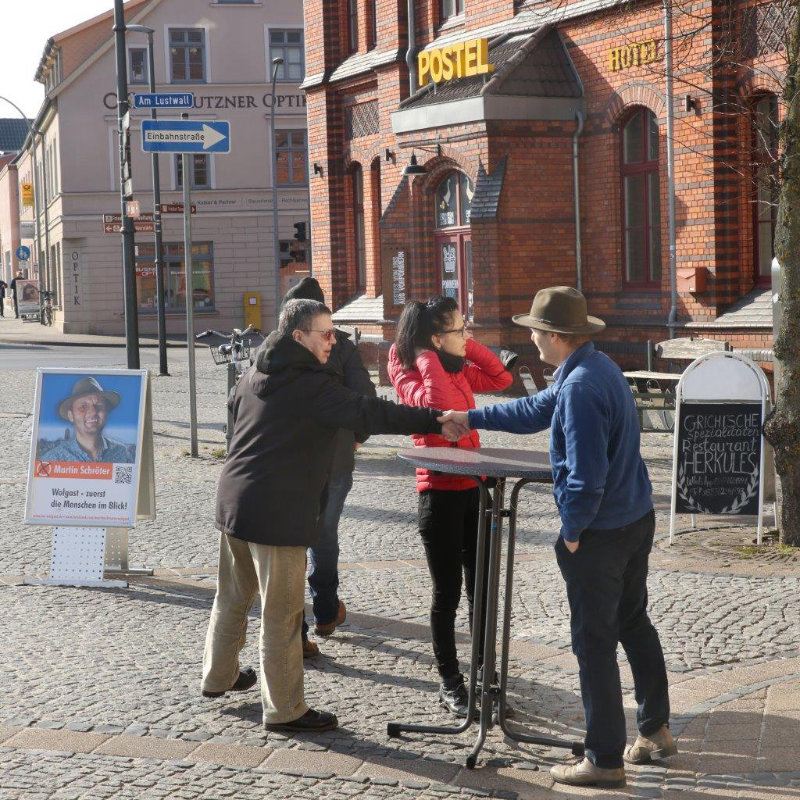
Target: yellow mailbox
252 309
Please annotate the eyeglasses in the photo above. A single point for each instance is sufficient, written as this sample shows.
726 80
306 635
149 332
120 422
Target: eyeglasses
329 333
462 331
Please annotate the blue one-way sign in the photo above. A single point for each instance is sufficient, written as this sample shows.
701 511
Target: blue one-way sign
164 100
186 136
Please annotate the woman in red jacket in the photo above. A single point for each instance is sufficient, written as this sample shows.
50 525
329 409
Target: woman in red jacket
436 363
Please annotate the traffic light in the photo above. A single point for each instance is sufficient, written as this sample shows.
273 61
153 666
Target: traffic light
300 231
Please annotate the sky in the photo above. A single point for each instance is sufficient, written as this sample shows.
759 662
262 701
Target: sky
25 30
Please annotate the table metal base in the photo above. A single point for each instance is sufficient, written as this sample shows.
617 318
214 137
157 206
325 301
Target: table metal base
493 706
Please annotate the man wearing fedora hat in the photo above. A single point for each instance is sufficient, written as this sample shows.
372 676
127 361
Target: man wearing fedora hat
87 407
604 500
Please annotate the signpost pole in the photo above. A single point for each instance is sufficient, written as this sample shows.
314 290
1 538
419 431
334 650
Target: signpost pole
128 255
159 242
187 250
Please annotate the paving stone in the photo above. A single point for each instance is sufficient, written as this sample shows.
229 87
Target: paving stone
147 747
304 761
64 740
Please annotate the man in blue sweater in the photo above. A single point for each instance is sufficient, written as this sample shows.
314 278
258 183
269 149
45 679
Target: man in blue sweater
603 494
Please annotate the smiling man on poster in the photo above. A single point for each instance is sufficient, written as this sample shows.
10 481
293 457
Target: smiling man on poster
87 407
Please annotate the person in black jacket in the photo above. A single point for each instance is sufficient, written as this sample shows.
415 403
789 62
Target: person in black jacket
323 577
3 287
287 410
13 287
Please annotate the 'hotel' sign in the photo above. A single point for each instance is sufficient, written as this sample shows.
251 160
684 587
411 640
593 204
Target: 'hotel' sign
632 55
454 61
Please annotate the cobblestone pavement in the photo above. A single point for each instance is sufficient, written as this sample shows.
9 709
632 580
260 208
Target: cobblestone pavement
101 686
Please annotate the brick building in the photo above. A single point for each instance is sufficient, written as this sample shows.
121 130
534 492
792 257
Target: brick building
538 138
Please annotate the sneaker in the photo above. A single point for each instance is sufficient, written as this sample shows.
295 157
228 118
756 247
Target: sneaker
330 627
247 678
311 722
455 699
310 649
655 746
584 773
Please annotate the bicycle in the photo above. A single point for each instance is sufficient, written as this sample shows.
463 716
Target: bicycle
232 349
46 307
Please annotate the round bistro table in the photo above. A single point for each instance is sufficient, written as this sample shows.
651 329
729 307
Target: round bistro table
499 465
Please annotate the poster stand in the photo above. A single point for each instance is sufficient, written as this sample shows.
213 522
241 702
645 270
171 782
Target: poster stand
721 402
83 555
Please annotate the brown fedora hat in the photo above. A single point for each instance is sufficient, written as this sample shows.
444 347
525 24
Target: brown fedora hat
83 387
560 309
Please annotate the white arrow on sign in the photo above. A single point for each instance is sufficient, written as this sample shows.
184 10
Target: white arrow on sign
211 137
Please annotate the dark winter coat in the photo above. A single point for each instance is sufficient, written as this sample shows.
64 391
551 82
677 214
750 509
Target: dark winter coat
287 409
346 364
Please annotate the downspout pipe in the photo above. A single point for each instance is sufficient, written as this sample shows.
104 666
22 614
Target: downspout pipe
672 320
576 189
411 53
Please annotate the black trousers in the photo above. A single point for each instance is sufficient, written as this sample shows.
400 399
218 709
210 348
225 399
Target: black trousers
607 590
448 525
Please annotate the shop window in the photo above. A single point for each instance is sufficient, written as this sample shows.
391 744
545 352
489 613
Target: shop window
453 240
359 232
288 45
175 277
451 8
352 26
291 157
137 65
187 55
765 182
200 168
641 211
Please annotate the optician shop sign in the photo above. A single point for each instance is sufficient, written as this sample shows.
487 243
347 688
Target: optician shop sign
460 60
225 101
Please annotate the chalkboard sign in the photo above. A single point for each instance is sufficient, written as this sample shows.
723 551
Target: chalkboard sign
718 458
399 278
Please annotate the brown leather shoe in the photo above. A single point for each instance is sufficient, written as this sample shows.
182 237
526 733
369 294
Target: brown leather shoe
247 678
653 747
330 627
310 649
584 773
311 722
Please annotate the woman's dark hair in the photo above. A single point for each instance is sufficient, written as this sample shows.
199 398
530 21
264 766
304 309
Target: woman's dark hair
418 322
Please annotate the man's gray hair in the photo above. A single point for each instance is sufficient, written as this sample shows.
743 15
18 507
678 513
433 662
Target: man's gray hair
299 315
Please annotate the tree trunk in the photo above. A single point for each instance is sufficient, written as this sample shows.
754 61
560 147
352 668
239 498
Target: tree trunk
783 427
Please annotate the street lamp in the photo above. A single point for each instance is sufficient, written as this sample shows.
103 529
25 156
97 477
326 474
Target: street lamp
276 244
32 133
126 181
159 241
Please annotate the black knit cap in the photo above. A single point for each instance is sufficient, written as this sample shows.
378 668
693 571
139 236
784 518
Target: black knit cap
307 289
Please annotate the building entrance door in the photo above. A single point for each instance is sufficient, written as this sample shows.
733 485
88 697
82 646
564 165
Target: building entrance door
453 240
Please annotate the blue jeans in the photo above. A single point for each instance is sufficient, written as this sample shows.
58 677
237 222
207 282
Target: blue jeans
606 582
323 577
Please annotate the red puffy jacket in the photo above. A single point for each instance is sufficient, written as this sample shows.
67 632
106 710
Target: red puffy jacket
429 384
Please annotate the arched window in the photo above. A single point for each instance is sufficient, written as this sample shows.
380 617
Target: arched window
359 234
641 211
352 26
453 198
765 180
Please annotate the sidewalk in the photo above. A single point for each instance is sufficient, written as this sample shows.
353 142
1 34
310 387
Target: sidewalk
102 685
15 331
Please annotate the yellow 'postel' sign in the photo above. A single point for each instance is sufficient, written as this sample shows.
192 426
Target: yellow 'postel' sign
454 61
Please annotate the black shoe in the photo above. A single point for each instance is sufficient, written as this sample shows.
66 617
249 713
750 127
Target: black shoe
494 688
311 722
247 678
455 699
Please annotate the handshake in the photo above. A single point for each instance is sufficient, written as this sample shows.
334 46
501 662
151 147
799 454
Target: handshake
454 425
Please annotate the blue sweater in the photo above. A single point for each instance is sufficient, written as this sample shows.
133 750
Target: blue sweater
599 478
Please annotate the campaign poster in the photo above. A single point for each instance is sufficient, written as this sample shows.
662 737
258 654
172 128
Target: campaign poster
86 448
27 297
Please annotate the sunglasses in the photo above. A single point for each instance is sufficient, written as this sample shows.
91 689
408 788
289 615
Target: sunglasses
329 333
